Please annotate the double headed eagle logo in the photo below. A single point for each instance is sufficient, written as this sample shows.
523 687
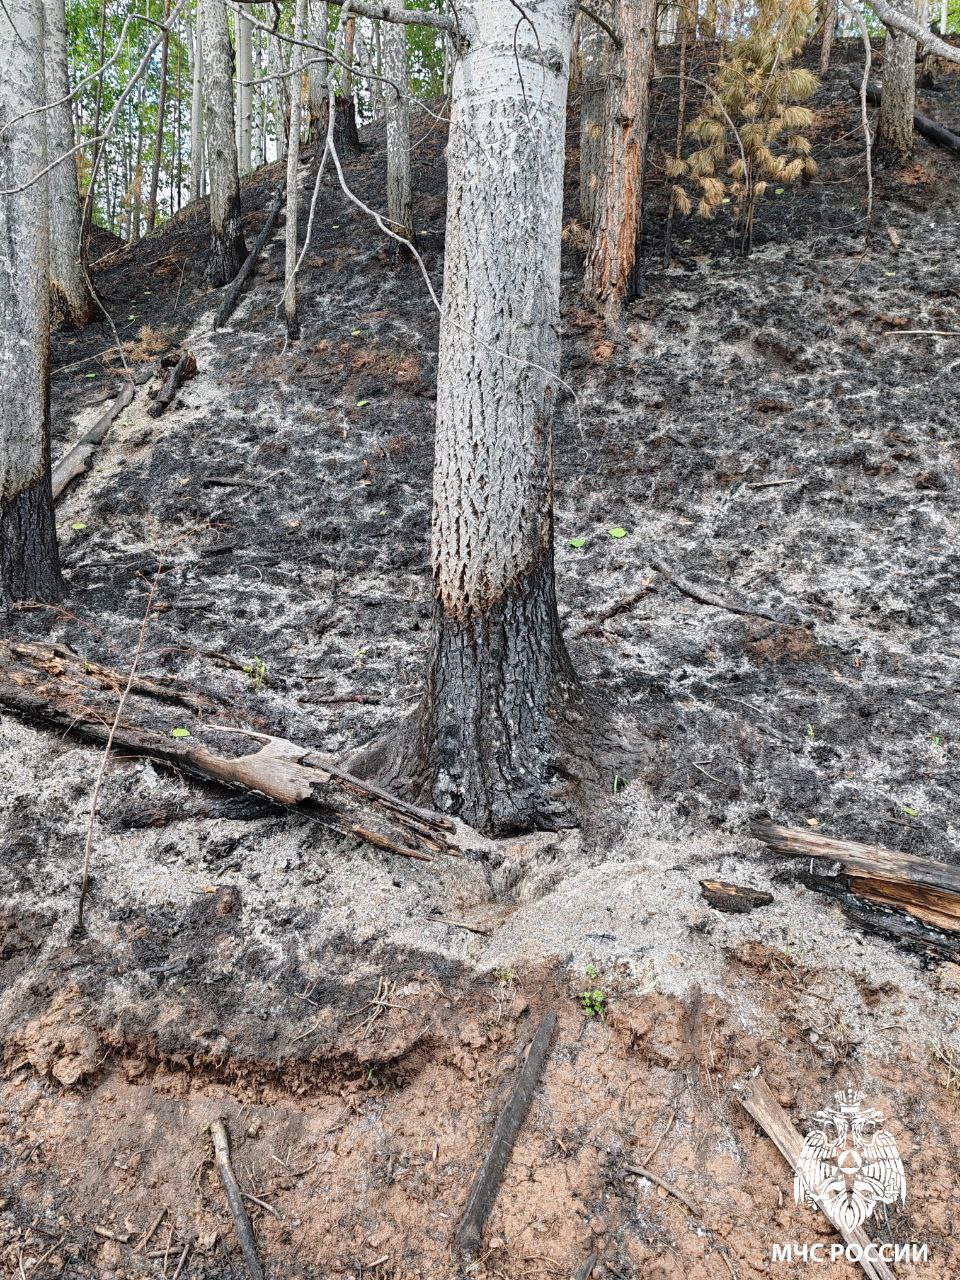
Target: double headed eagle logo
849 1163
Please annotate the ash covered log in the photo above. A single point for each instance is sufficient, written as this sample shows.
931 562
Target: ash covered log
181 366
232 295
77 460
925 890
54 684
737 899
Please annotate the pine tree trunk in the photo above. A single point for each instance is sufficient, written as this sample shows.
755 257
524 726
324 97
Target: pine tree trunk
293 162
898 99
399 180
136 184
244 92
829 29
68 279
161 120
29 560
196 116
317 76
502 705
346 134
227 247
610 277
595 54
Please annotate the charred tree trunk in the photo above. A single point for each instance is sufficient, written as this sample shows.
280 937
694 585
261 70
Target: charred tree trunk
29 560
227 248
399 180
595 52
503 712
899 97
610 277
346 135
68 277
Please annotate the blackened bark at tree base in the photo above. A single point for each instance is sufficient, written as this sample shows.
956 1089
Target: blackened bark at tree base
346 136
228 249
29 561
505 737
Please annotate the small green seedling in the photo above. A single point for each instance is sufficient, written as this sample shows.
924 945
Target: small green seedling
78 525
594 1001
256 672
578 543
910 811
617 532
810 731
180 733
618 783
362 404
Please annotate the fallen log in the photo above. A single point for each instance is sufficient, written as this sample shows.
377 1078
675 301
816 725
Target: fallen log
53 684
77 459
486 1183
928 890
181 368
232 295
762 1106
928 128
737 899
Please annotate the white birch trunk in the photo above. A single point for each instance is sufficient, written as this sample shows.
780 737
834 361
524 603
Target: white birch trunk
196 116
496 727
29 562
227 248
399 180
293 163
244 92
67 277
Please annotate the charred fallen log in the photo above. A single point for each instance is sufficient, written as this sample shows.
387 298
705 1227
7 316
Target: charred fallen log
180 367
232 293
928 128
53 684
77 460
914 900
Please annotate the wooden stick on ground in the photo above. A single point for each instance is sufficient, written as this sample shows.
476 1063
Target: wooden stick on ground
180 371
688 588
486 1183
232 295
641 1171
760 1103
221 1148
77 460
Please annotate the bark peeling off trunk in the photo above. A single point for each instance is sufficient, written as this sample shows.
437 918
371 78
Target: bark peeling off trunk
899 99
29 562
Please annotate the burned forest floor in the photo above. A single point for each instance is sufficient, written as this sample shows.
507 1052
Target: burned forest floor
776 431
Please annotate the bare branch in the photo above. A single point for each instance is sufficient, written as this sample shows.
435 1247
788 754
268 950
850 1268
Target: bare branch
896 20
601 22
406 17
864 115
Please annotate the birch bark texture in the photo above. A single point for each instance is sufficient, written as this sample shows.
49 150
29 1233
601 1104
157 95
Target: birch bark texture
68 280
29 560
227 248
899 96
491 735
196 115
293 164
610 278
317 97
397 104
244 92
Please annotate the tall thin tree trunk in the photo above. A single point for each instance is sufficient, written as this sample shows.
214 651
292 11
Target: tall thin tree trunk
595 54
244 91
347 138
317 74
161 114
829 29
29 559
492 736
136 185
377 88
227 247
179 141
196 115
610 278
68 279
293 163
899 97
399 180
